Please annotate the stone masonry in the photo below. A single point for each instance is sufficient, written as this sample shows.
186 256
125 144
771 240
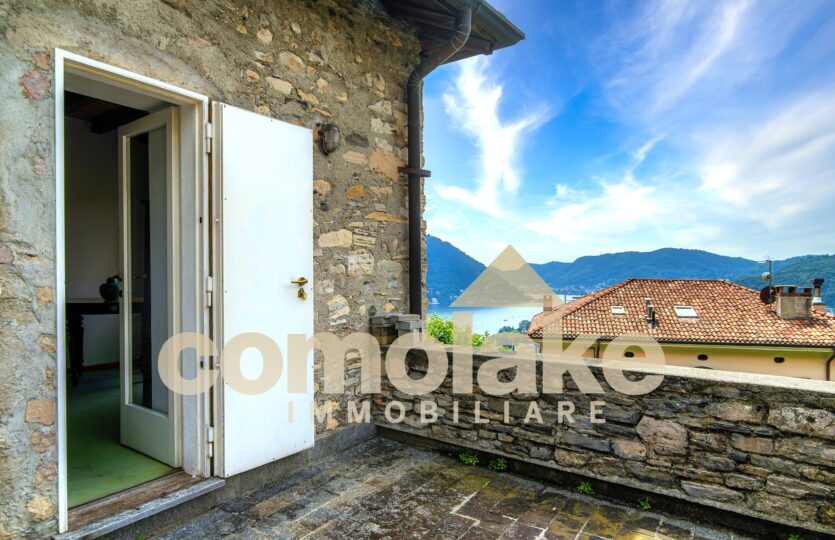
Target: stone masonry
304 61
759 450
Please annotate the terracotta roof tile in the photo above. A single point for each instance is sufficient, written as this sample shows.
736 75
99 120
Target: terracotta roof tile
727 313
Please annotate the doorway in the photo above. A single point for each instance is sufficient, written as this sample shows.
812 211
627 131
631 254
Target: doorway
131 206
176 234
120 299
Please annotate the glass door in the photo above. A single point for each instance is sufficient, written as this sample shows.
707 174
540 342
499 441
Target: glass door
149 412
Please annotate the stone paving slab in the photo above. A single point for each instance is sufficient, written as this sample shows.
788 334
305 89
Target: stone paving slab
387 490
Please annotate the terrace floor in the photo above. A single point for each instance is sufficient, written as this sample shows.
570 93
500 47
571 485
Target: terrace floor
383 489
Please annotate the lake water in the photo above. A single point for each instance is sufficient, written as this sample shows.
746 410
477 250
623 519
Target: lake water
490 319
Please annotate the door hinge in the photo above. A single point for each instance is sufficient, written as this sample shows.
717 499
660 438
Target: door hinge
210 290
210 135
210 440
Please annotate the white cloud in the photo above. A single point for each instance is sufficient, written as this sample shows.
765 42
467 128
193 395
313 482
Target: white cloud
779 169
763 187
675 60
641 153
601 214
443 222
743 103
473 106
755 153
720 32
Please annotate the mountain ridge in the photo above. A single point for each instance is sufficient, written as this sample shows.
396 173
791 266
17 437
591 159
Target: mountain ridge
593 272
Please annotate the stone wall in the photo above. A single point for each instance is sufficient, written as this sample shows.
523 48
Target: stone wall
757 445
304 61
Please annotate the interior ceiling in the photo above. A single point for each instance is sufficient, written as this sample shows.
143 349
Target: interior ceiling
102 115
434 21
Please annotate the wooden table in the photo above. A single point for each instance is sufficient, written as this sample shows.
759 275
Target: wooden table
77 309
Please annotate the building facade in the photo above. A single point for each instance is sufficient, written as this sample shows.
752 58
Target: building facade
710 324
308 64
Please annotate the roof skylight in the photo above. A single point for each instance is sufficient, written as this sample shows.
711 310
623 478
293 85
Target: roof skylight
618 310
685 312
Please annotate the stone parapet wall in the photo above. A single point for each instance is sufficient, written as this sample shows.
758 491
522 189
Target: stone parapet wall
757 445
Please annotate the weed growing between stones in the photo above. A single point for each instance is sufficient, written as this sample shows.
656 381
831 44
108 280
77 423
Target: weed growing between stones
585 488
468 459
498 464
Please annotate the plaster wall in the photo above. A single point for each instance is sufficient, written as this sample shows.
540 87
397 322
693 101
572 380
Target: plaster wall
92 225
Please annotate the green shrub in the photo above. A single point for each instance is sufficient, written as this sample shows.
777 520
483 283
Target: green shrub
644 503
442 330
478 339
498 464
585 488
795 536
439 328
468 459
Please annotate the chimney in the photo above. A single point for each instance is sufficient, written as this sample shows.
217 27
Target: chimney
793 303
651 320
817 301
547 303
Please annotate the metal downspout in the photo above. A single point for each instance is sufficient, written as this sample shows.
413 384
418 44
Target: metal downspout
463 25
829 365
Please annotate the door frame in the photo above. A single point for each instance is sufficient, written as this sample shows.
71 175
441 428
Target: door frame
194 225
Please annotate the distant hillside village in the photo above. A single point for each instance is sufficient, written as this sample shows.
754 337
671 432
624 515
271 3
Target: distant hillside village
705 310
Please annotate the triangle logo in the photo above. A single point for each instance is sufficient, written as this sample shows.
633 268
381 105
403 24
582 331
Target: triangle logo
509 281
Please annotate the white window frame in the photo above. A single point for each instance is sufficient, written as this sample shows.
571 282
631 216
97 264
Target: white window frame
618 310
688 309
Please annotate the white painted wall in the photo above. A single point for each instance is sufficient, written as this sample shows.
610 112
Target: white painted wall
92 213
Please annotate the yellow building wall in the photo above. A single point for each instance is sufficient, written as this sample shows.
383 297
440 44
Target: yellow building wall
806 363
806 368
797 362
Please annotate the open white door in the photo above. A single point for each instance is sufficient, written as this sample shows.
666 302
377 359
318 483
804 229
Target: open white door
149 307
263 173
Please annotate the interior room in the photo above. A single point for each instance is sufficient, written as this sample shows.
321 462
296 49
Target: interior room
101 460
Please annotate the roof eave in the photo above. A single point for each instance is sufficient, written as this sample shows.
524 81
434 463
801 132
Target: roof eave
434 21
492 21
812 345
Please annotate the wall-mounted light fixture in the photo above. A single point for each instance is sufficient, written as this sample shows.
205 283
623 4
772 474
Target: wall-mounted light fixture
328 138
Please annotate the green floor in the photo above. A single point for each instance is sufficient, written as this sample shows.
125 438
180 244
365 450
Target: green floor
97 464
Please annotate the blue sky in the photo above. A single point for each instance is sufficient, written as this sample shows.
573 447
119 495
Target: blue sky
621 126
